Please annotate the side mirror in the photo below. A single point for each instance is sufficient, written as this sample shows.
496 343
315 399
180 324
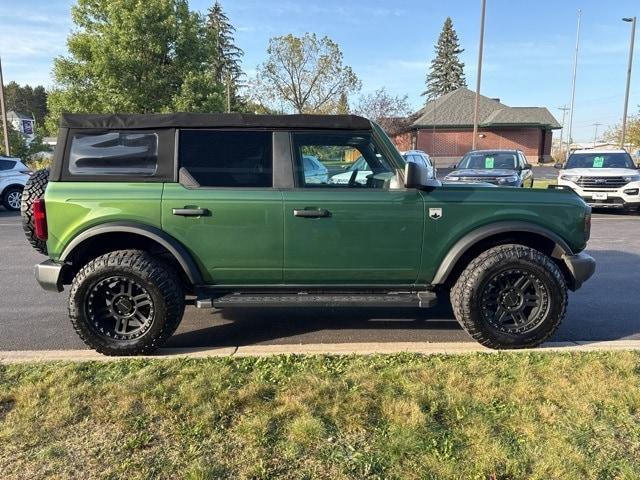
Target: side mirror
559 166
417 176
527 166
454 166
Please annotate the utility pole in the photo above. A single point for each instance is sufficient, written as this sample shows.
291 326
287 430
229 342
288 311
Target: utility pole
228 93
564 113
573 88
477 103
595 133
4 115
626 95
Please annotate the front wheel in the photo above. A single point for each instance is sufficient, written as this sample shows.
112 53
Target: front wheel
510 296
126 303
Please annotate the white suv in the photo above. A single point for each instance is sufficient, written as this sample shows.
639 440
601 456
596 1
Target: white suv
13 176
603 178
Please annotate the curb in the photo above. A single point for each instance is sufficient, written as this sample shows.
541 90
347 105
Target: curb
424 348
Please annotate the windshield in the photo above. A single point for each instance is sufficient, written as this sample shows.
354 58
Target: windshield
600 160
489 160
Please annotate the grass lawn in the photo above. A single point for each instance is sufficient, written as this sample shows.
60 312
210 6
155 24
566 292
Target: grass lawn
485 416
544 183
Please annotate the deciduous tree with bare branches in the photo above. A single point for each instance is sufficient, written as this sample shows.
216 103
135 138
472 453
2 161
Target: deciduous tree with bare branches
304 75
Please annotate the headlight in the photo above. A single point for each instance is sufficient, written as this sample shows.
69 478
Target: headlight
631 178
453 179
511 179
570 178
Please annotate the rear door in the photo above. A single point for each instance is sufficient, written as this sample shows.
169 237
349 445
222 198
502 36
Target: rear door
356 230
225 210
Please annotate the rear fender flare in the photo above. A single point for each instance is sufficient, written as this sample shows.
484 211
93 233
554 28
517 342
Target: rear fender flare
174 247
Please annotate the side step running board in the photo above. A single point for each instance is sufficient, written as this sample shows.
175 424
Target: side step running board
420 299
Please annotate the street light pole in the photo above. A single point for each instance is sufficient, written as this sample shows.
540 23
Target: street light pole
4 115
573 88
477 103
626 95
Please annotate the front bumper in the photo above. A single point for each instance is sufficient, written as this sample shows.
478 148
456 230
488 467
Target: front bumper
615 198
49 275
581 267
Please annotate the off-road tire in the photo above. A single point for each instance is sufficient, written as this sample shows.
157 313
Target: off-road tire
157 277
467 293
33 190
6 201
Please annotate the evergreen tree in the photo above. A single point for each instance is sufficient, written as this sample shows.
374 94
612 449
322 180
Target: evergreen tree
343 105
447 71
225 56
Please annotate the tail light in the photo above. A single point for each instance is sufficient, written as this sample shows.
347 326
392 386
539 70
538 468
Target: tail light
40 219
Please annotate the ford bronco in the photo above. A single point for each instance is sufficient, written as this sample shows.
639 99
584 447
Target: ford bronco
139 212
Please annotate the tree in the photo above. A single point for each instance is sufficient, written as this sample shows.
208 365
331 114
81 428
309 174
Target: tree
134 56
18 145
632 134
447 71
304 74
225 57
343 104
388 111
27 100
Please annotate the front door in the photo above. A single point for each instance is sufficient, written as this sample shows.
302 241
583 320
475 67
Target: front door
355 228
225 210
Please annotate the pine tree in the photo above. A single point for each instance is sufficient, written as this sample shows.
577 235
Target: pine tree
447 71
225 55
343 105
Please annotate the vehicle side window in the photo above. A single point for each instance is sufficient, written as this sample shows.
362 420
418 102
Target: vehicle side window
114 153
221 158
352 160
7 164
523 161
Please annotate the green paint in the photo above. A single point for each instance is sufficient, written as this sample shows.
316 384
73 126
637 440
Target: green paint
372 236
598 162
489 162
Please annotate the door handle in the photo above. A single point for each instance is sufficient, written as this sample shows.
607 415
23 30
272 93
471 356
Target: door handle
315 213
191 212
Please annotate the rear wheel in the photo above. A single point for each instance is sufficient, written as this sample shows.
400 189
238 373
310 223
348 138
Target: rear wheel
126 303
11 198
33 190
510 296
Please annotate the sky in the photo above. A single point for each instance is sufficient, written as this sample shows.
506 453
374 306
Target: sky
528 54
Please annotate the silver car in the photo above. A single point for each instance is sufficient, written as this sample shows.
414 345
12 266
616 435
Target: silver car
13 177
314 171
421 158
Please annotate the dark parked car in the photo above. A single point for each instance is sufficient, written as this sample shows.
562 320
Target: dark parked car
506 168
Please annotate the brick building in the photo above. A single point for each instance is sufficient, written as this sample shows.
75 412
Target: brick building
444 128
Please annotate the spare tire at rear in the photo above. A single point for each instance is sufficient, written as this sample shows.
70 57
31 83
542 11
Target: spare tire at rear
33 190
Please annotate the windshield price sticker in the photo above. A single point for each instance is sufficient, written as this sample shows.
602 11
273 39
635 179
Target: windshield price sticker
598 162
488 162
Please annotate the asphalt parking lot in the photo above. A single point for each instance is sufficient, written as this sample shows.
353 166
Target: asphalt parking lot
606 308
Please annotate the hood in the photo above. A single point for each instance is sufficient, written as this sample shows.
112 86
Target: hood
601 172
471 172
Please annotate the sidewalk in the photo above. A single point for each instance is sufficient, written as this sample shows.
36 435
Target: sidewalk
313 349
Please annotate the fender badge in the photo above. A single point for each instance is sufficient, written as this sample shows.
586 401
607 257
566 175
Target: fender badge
435 213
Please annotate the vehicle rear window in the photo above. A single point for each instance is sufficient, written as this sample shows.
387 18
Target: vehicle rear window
114 153
600 160
227 158
7 164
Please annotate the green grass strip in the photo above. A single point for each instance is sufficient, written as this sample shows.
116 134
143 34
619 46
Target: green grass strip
479 416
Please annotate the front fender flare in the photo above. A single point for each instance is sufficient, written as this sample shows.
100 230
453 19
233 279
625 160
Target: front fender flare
174 247
472 238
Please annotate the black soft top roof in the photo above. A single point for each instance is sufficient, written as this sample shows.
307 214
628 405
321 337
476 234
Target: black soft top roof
209 120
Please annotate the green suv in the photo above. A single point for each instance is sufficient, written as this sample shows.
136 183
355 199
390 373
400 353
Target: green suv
140 212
